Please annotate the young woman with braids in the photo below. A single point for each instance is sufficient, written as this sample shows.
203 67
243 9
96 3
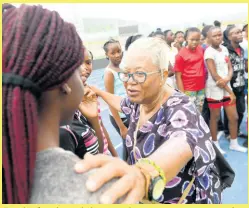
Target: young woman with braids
113 85
86 133
42 88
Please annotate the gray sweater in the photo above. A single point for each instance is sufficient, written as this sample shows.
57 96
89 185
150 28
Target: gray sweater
55 181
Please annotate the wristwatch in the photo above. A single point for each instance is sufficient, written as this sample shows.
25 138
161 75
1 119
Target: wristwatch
154 177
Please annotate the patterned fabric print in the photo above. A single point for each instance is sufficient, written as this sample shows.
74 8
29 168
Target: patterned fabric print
177 119
238 64
85 134
196 97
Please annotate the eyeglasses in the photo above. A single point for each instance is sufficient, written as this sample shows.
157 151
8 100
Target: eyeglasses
138 77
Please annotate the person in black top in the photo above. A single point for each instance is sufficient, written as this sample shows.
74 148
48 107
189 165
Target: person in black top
236 55
86 133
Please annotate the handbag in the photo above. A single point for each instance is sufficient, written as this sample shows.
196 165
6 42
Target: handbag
224 171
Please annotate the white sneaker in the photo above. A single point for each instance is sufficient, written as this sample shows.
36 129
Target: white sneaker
219 135
219 148
237 147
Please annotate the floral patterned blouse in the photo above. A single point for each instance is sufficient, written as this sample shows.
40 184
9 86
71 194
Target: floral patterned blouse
177 119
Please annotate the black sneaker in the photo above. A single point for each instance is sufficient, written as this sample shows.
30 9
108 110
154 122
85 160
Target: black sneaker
240 134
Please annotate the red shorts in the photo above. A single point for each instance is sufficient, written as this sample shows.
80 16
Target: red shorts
219 103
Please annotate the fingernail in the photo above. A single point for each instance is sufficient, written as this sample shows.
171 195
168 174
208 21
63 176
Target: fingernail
91 185
105 200
79 167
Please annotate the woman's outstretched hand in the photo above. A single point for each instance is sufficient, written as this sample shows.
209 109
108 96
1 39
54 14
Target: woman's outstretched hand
131 183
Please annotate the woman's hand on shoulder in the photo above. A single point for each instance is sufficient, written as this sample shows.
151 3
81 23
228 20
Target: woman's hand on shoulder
130 187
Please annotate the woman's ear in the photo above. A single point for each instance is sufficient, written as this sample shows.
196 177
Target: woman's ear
165 74
65 89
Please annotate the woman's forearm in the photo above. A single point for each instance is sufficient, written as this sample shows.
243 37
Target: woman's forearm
178 154
112 100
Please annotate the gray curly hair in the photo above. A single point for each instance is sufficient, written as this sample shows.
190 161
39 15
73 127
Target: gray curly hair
157 48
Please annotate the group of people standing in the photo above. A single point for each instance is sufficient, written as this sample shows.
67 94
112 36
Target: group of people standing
212 71
51 116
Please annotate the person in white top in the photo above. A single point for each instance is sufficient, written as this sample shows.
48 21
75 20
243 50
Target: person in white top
169 38
113 85
218 89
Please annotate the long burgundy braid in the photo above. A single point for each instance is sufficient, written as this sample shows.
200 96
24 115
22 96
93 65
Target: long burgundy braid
40 46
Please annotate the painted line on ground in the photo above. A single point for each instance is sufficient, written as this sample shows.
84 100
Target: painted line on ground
119 145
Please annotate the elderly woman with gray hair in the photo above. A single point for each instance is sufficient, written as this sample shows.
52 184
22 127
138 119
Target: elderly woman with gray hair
171 156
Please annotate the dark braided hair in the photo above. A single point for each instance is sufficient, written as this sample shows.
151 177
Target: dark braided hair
178 32
37 45
166 32
214 28
226 40
205 30
105 47
191 29
217 23
131 39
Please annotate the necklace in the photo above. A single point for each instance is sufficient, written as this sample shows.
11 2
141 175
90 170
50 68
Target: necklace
138 124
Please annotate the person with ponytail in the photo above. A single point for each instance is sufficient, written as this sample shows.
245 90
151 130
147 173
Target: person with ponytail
42 88
131 39
113 85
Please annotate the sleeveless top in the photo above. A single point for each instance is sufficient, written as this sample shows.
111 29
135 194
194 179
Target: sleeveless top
119 89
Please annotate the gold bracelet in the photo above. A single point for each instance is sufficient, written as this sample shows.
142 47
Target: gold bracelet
152 163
